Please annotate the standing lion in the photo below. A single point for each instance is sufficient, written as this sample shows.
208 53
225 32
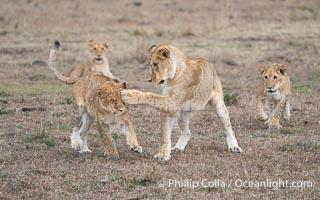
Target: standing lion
186 85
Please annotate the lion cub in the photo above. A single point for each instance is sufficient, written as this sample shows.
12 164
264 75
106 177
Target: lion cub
276 92
98 96
97 63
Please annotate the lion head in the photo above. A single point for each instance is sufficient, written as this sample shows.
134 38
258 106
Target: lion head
110 98
273 77
98 51
162 64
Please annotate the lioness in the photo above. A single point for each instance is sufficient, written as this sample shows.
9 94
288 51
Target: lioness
274 90
98 96
186 85
97 63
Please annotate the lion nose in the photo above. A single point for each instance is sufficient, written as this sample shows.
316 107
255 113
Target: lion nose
269 88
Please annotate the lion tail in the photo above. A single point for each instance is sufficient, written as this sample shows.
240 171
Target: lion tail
51 63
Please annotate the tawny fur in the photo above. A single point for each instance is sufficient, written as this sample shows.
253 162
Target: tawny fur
186 85
275 92
98 97
97 63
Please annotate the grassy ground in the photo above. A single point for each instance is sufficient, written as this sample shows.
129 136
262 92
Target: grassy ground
36 160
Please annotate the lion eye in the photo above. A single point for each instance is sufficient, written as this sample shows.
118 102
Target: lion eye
266 77
102 49
94 48
275 77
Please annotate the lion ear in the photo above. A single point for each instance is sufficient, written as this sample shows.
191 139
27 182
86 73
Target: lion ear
282 69
101 93
151 48
262 69
164 53
90 43
104 90
123 85
107 44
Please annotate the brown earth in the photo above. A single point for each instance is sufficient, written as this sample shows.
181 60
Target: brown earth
236 36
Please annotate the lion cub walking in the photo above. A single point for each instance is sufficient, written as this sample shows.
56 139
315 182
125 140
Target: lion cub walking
275 91
98 96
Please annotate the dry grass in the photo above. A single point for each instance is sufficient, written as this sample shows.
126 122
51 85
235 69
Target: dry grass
36 160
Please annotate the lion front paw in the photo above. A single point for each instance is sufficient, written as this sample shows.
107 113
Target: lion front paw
286 116
273 125
177 149
113 155
130 96
162 156
136 148
263 117
235 149
233 144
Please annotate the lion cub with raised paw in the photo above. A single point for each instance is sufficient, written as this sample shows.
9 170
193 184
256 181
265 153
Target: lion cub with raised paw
274 91
98 96
97 63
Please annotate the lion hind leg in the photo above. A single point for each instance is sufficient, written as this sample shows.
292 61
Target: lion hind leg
183 120
87 121
167 124
76 123
78 137
76 117
76 142
223 115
